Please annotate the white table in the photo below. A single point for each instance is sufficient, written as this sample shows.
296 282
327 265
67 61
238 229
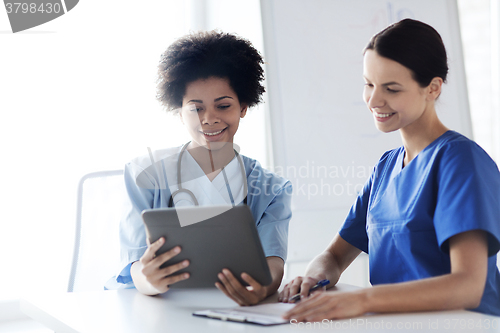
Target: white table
129 311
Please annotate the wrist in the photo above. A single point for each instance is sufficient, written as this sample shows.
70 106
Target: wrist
366 295
267 292
140 280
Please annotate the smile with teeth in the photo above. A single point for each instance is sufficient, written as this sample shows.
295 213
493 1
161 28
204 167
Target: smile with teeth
213 133
383 115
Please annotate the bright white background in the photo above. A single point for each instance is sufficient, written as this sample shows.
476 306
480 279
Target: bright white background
77 96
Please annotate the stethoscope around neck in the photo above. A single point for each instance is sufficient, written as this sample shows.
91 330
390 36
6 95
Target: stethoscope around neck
191 194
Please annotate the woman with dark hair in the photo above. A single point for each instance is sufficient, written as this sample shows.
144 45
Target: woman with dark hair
209 79
428 216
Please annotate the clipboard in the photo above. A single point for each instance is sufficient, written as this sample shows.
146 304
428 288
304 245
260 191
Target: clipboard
262 314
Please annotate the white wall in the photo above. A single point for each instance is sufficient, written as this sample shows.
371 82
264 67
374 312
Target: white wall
477 36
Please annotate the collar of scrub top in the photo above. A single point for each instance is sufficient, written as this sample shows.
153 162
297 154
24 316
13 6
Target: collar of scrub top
193 197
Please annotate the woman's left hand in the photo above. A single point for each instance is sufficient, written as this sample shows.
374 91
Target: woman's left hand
239 293
328 305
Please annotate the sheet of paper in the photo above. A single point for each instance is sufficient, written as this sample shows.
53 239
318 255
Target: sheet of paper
264 314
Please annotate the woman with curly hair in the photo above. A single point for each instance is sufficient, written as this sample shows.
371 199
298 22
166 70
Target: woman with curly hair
209 79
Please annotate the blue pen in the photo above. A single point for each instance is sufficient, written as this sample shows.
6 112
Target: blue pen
318 285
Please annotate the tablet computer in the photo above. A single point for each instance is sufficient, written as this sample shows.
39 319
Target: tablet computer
215 237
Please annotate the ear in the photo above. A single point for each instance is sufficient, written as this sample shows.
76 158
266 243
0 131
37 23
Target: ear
434 88
244 109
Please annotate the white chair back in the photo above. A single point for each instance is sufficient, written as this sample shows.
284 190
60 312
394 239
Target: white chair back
100 206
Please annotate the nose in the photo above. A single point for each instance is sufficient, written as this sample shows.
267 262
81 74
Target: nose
209 117
374 98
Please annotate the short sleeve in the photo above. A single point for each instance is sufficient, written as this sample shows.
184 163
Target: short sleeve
468 194
273 225
353 230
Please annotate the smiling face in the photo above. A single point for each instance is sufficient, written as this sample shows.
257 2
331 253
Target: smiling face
211 112
395 99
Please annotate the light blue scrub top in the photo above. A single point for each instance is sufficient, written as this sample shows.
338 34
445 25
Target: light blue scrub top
404 217
269 199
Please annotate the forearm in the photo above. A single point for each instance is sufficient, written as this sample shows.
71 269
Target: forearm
446 292
276 267
140 281
461 289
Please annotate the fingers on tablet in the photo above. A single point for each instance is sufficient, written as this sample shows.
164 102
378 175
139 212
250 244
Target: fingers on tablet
222 288
156 245
171 279
152 248
169 270
228 289
254 285
164 257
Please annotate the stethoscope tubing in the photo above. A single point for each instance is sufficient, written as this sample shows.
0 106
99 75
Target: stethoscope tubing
191 194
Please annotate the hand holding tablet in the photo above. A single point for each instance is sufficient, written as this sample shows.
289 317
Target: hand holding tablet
227 240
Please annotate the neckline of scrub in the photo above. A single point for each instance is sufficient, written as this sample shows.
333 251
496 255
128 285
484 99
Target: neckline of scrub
219 173
401 156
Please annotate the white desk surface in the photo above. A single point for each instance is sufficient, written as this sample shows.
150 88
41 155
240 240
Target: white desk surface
129 311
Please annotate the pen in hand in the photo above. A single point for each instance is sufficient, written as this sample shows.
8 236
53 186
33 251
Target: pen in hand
320 284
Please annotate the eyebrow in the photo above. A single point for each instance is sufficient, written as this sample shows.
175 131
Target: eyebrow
390 83
218 99
215 100
387 83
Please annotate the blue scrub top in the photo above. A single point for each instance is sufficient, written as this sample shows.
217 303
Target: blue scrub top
269 199
404 217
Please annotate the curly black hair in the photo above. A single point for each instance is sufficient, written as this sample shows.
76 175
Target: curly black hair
207 54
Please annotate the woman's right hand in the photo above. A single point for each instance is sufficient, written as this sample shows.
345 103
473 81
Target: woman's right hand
153 279
300 283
